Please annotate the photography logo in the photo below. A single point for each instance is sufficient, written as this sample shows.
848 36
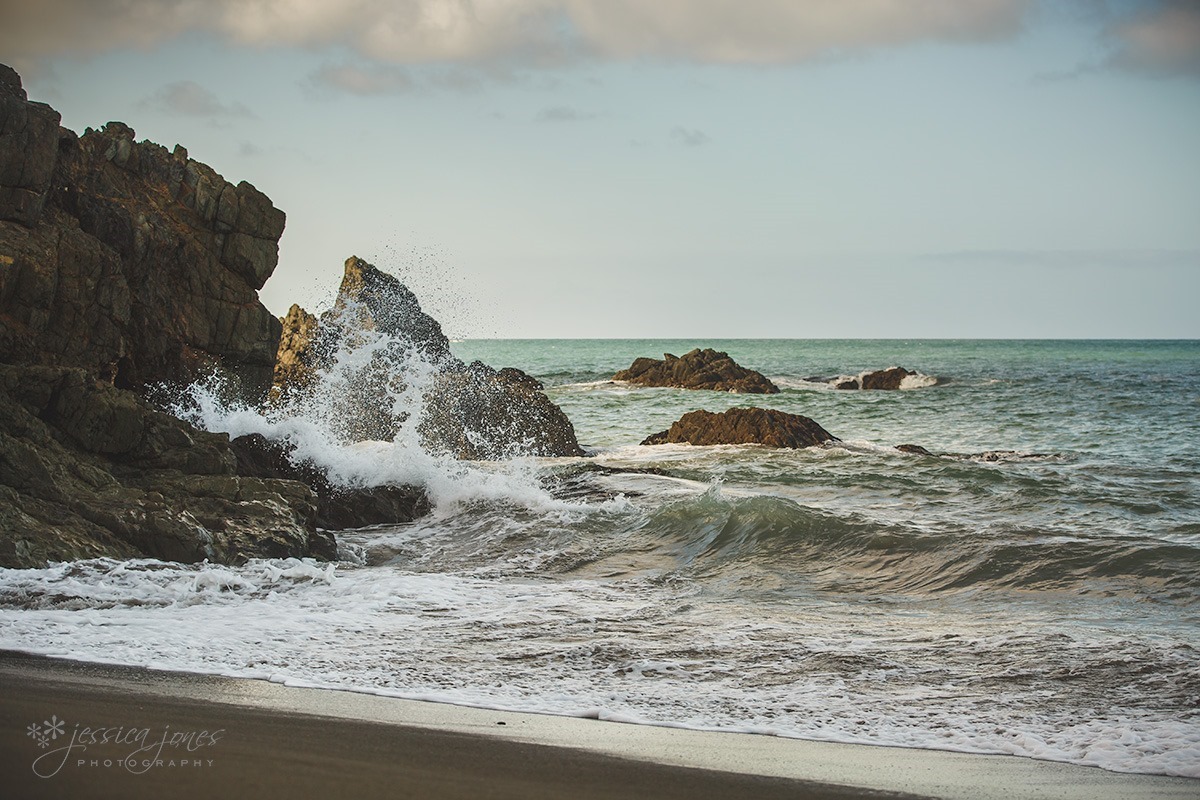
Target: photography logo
130 748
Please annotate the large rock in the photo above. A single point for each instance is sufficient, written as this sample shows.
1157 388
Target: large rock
137 264
88 470
479 413
764 426
471 412
698 369
338 507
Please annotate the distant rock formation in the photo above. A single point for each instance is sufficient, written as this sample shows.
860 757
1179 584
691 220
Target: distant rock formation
89 470
137 264
887 379
697 369
764 426
471 412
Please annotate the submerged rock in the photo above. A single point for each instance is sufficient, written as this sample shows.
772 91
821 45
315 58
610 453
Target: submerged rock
137 264
697 369
764 426
337 507
89 470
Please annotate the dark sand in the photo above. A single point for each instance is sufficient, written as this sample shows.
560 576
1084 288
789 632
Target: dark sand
276 741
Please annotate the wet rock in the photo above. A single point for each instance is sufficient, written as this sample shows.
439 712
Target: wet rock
697 369
471 412
297 355
89 470
913 449
884 379
483 414
133 262
763 426
337 507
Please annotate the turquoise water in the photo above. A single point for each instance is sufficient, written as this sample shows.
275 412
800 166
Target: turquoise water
1041 600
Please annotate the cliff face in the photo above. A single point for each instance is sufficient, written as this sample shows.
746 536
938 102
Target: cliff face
135 263
123 266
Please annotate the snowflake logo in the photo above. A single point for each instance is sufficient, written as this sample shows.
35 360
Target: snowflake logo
54 727
35 732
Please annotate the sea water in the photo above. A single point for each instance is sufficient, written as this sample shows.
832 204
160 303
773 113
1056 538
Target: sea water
1034 589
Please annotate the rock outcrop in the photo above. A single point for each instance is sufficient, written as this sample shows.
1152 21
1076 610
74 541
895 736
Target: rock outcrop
137 264
764 426
337 507
698 369
482 414
89 470
891 378
470 411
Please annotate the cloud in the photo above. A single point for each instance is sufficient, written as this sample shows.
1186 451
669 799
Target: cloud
1163 40
688 137
192 99
522 32
368 80
563 114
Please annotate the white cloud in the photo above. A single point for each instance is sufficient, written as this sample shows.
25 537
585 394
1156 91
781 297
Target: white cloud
526 32
192 99
1164 40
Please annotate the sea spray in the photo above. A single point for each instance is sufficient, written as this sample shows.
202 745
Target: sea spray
367 371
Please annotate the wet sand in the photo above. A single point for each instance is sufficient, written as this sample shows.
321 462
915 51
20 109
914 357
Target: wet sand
231 737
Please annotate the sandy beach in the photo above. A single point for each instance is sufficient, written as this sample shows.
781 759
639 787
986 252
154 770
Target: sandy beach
134 732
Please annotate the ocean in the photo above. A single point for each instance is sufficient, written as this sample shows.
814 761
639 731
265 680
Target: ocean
1036 591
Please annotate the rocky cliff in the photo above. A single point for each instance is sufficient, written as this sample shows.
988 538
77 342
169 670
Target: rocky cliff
138 264
124 266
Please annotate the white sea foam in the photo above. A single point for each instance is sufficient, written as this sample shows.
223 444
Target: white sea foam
642 651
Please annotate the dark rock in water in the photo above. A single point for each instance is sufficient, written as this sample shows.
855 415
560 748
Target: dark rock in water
337 507
914 449
480 414
698 369
135 263
764 426
89 470
472 412
887 379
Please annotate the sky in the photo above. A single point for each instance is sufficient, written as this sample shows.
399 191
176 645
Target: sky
682 168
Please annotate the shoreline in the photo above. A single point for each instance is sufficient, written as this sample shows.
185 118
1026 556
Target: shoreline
278 738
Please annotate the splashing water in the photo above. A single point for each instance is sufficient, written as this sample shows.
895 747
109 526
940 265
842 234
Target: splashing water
389 378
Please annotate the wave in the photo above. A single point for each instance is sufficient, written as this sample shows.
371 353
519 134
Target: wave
769 535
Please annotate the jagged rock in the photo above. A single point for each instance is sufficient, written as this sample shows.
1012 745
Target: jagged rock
764 426
28 139
472 412
480 414
698 369
137 264
337 507
370 299
888 379
89 470
297 355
